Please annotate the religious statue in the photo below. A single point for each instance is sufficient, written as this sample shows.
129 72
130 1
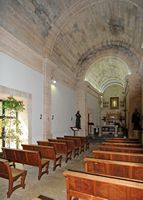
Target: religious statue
78 116
136 120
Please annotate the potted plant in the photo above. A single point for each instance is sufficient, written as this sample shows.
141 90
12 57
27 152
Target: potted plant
11 122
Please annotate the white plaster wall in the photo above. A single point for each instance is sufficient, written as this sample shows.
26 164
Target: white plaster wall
63 109
93 108
16 75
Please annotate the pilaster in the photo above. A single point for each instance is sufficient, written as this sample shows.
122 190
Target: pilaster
46 101
134 100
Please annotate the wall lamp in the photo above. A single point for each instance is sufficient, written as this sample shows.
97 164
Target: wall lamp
53 81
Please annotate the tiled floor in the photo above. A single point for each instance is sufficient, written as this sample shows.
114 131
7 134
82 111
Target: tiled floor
51 185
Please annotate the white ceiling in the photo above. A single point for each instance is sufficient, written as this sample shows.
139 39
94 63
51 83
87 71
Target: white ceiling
107 71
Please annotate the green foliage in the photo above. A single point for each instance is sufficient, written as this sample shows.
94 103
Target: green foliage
11 122
12 104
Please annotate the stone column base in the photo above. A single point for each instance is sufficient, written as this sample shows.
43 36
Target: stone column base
136 134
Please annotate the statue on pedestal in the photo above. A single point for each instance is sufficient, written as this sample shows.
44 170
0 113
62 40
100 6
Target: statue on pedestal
78 123
136 120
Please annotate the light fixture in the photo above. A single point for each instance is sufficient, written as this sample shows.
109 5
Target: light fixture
53 81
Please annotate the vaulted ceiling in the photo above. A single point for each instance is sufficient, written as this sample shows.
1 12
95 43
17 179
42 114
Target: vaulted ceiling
96 40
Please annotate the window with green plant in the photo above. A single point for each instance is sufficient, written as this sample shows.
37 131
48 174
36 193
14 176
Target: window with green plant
10 121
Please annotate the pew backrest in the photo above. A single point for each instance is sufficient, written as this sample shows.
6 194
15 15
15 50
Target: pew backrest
119 149
12 174
22 156
70 143
102 186
123 140
118 156
128 170
5 171
27 157
45 151
78 142
133 145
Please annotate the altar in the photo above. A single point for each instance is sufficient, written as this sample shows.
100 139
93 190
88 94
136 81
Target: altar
106 129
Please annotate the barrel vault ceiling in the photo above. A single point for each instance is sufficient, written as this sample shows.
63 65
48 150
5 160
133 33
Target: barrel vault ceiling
96 40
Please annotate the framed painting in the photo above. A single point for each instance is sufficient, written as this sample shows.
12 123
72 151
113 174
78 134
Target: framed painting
114 102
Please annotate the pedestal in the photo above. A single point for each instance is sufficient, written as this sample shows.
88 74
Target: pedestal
116 131
136 134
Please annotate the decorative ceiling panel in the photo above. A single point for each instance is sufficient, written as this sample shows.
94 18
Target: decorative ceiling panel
107 71
92 25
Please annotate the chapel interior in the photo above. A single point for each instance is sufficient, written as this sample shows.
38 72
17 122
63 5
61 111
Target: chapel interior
63 56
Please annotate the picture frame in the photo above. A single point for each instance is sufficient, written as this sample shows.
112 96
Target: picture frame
114 102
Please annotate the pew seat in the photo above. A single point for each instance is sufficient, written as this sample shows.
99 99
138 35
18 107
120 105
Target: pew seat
75 145
123 140
118 156
70 143
63 147
133 145
78 142
127 170
12 175
48 152
84 141
81 183
120 149
27 157
60 147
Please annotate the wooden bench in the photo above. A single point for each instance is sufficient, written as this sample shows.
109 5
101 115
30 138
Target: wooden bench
60 147
48 152
84 141
78 142
12 174
119 149
118 156
74 145
70 143
128 170
81 184
122 144
27 157
64 147
123 140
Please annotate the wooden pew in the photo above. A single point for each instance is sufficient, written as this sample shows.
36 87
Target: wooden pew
67 150
85 141
128 170
60 147
120 149
27 157
70 143
81 184
123 140
78 141
73 144
118 156
48 152
122 144
12 174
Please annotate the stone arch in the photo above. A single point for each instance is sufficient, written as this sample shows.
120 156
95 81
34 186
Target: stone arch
69 13
118 49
